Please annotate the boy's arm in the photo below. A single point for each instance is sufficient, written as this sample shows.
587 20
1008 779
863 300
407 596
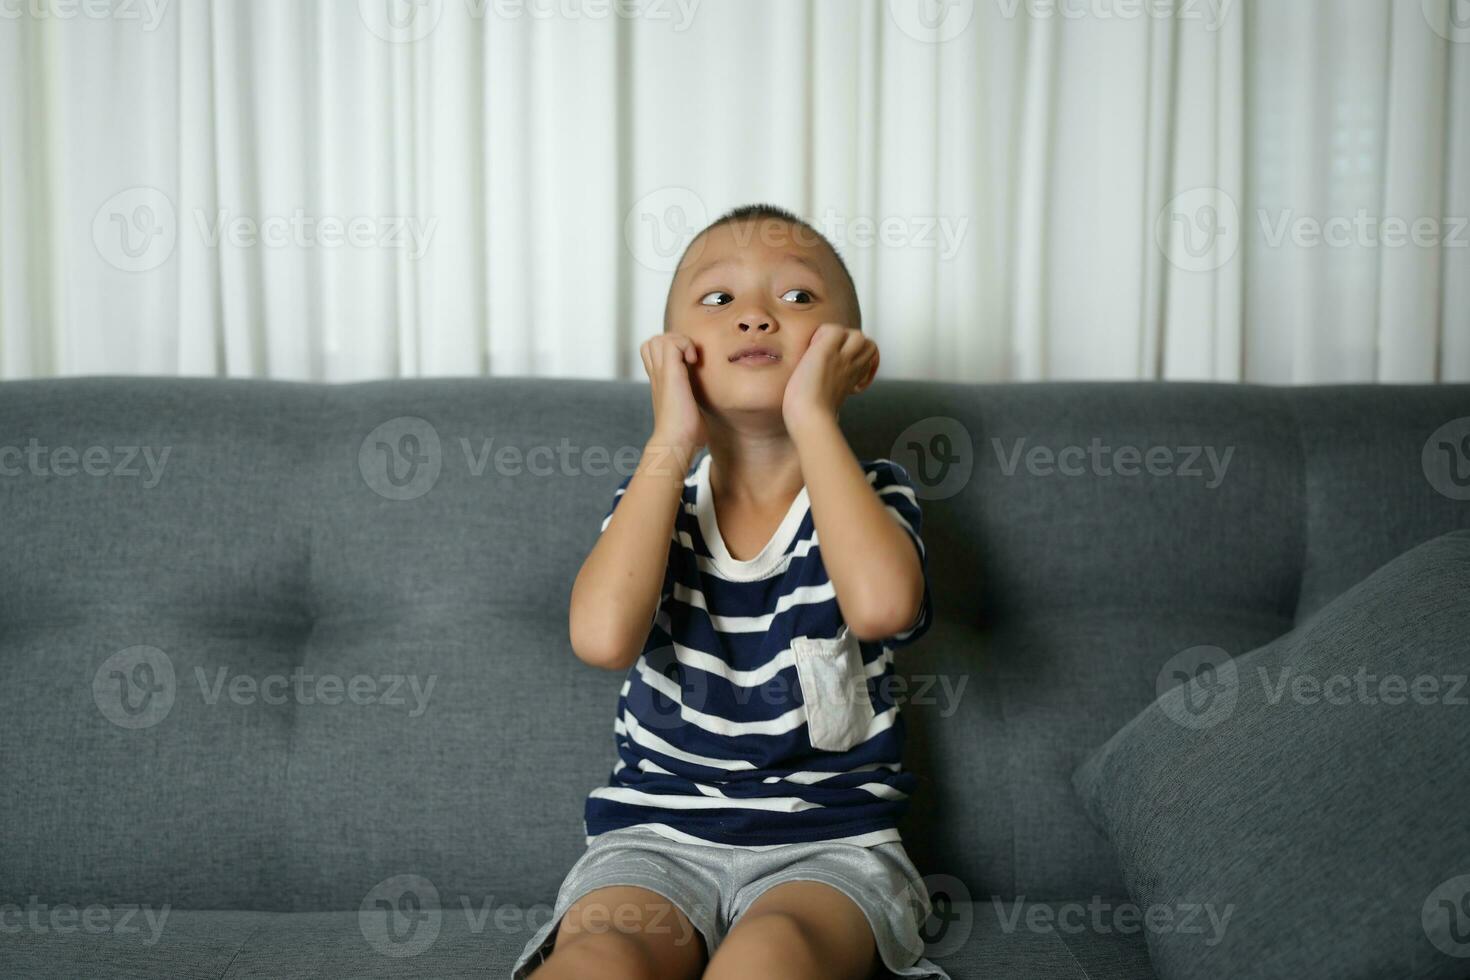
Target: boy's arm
617 591
871 560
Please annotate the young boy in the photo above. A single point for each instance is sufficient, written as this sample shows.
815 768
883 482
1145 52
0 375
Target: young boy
755 600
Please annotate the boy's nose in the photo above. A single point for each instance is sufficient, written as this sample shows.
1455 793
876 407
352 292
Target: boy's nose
758 323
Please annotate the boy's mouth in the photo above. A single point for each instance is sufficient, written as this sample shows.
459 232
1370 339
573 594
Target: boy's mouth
755 355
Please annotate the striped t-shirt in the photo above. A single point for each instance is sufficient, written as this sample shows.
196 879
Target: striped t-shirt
712 730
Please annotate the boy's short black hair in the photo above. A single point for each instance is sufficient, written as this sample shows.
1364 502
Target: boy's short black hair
771 212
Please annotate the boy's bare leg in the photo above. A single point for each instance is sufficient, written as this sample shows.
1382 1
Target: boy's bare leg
795 931
624 933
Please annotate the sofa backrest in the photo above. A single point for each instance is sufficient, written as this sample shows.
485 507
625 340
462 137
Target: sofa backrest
323 640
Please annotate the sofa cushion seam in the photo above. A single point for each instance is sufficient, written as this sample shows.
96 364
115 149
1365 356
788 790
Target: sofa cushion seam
224 974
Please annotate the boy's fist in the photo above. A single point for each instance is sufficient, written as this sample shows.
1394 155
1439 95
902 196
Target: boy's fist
838 362
677 419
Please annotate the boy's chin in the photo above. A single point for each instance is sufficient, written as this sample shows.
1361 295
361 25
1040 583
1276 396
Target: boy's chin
749 404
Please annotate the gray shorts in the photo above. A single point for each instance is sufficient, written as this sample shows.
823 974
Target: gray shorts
712 885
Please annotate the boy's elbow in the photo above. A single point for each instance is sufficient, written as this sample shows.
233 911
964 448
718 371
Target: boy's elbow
877 629
604 659
600 653
886 616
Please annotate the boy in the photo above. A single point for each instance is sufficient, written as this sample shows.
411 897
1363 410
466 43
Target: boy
747 829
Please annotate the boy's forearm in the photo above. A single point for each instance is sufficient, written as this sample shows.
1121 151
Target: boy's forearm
869 557
616 592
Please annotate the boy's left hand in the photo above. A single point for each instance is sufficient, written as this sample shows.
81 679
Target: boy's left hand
839 362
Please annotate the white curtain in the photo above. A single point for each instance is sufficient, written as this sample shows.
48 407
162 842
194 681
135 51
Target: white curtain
1024 189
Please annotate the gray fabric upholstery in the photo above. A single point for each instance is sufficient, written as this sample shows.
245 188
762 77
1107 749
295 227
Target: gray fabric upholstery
264 549
308 945
1312 793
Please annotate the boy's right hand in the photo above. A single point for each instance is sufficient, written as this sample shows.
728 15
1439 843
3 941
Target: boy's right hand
677 418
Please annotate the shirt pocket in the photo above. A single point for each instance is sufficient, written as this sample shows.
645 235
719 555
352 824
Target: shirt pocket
834 690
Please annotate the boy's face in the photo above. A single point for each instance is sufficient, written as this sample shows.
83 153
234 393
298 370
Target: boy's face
757 283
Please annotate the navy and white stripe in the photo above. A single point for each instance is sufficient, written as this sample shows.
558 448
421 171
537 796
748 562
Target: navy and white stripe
711 731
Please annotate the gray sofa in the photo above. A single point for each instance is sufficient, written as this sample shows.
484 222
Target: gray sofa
257 688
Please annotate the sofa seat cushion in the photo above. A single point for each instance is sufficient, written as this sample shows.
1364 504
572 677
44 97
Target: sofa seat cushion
1083 939
278 945
1019 941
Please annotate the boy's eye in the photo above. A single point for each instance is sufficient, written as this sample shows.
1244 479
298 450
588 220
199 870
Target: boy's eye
713 299
797 296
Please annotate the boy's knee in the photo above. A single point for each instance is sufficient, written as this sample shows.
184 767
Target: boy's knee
768 944
612 954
